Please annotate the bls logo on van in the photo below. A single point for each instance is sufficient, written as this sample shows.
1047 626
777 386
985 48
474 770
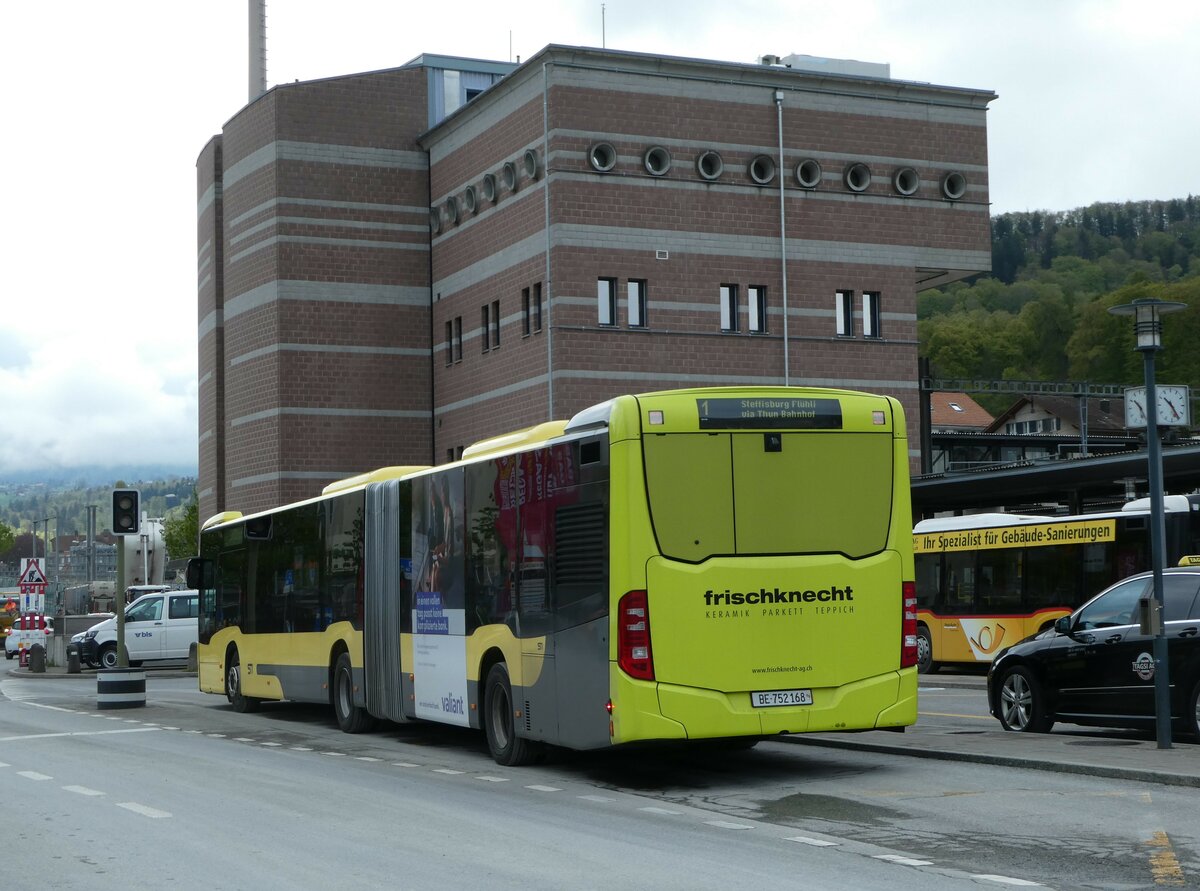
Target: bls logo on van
143 634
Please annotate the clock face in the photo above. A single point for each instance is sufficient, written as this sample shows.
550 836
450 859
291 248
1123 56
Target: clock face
1135 407
1171 404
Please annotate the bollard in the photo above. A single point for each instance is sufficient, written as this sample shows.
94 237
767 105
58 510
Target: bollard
23 656
121 688
37 659
72 659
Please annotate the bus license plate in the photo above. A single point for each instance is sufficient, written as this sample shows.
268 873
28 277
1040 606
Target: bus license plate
772 698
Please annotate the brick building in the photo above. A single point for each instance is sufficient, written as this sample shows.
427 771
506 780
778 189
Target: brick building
395 264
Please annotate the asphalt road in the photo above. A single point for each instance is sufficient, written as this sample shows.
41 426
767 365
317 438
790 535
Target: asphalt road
187 792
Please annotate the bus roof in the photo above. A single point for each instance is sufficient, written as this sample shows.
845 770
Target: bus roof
1171 504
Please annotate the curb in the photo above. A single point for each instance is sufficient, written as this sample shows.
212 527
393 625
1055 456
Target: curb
1094 770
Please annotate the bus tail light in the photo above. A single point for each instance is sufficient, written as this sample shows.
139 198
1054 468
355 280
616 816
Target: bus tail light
908 625
633 636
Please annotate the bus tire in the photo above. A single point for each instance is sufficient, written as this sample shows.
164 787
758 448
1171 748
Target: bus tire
499 722
925 663
350 718
1022 702
233 686
108 656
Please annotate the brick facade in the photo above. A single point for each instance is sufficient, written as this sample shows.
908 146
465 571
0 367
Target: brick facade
359 246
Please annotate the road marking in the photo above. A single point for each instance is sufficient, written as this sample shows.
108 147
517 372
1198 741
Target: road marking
724 824
602 798
536 788
815 842
1164 865
335 754
33 775
142 809
242 739
493 779
955 715
272 744
902 860
82 790
217 735
1009 880
447 770
404 764
358 757
76 733
301 748
660 810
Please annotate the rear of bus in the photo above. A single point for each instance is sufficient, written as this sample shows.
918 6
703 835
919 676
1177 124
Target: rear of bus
761 564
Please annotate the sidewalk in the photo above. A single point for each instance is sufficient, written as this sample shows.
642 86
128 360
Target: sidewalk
1098 752
1068 748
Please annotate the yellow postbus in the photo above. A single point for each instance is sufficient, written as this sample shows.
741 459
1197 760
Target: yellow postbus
723 563
986 581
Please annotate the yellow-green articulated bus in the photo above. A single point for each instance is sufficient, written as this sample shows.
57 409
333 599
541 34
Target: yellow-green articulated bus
723 563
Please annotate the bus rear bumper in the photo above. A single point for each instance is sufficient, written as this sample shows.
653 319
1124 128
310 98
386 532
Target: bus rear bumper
884 701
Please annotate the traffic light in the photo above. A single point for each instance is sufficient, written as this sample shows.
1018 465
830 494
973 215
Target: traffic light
126 514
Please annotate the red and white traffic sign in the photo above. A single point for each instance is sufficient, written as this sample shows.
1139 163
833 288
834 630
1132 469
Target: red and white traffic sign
31 572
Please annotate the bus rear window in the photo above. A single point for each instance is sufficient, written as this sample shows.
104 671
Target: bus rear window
737 493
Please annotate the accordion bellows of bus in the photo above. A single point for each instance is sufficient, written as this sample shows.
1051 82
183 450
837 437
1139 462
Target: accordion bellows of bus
706 564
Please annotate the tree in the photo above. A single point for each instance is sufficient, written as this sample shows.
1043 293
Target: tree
7 537
181 529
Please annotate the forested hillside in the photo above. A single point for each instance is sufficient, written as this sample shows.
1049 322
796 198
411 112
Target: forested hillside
21 506
1043 312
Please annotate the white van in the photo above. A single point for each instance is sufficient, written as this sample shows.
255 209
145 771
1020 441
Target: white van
158 627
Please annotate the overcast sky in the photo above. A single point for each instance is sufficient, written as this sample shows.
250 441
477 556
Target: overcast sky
107 105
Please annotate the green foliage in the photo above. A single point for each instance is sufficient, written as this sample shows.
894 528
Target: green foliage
181 529
1043 313
7 537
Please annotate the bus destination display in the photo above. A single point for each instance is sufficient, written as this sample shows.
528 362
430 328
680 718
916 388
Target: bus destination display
764 413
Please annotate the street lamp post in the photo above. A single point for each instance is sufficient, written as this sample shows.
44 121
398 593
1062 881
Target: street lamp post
1147 328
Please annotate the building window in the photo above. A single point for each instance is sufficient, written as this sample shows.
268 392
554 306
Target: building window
637 303
844 310
449 342
756 306
458 338
484 326
537 306
729 307
495 324
526 313
606 298
870 320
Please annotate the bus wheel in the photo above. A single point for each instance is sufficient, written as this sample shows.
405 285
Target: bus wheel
925 663
350 718
233 687
1022 703
499 724
108 656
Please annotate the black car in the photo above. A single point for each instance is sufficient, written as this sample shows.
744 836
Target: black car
1096 667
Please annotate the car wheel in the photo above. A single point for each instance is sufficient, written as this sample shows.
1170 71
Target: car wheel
1022 703
233 687
8 654
350 718
108 656
1191 717
498 722
925 663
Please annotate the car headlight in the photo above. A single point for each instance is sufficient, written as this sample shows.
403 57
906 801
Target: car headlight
77 638
89 634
